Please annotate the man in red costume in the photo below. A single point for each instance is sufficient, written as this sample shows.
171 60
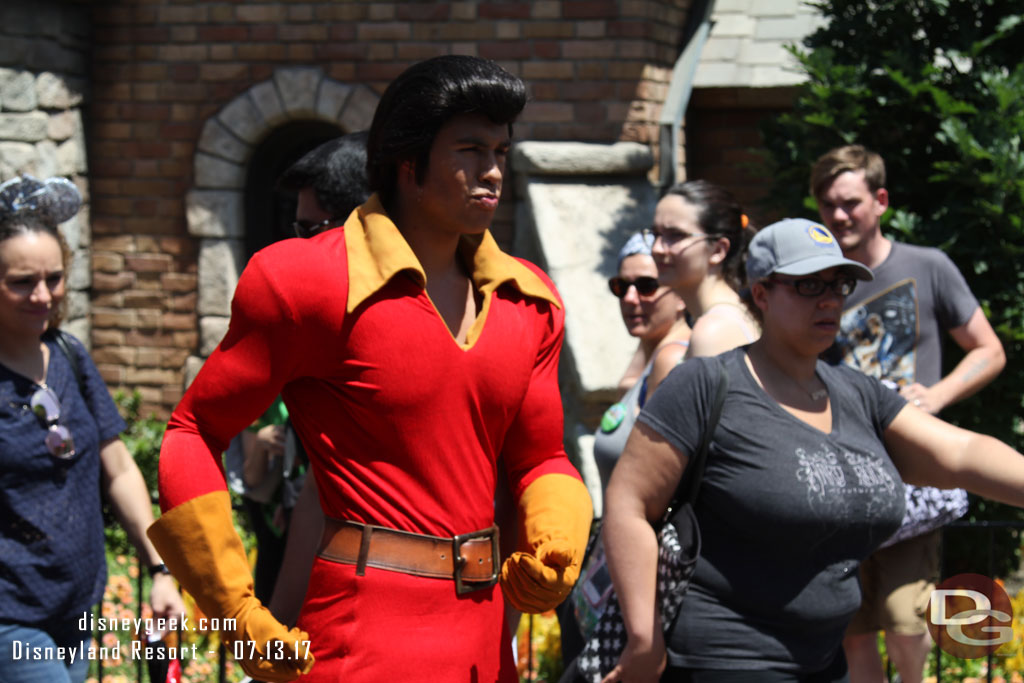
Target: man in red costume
413 356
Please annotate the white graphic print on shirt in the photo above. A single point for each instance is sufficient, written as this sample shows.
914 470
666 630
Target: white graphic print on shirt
879 337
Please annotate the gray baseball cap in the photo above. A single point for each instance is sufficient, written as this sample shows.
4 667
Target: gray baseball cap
797 246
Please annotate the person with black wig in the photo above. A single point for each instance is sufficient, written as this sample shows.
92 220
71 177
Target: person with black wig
416 359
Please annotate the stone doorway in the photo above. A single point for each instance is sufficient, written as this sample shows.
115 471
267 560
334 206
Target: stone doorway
232 141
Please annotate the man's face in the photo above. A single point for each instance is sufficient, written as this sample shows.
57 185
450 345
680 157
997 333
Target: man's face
309 215
462 184
852 211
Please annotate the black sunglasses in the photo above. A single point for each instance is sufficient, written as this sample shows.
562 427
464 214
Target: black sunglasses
815 286
46 406
645 285
306 229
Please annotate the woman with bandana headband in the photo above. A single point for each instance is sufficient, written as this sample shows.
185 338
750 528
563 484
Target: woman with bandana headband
59 452
655 315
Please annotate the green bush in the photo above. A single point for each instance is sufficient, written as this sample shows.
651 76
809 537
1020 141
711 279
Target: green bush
143 437
937 88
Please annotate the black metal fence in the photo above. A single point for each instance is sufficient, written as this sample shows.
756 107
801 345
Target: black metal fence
989 529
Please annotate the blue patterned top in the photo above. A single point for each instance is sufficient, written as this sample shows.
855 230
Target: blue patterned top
52 564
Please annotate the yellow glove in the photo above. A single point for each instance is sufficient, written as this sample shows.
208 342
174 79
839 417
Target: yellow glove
555 512
200 546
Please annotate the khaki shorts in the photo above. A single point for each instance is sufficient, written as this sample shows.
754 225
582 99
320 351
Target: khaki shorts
896 583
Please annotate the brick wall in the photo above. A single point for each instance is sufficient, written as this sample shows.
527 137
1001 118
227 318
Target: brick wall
724 143
597 70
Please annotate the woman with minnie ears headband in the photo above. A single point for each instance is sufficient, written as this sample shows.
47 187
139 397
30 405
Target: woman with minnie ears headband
59 451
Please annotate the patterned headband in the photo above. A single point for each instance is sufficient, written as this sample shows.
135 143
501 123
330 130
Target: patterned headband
636 244
52 201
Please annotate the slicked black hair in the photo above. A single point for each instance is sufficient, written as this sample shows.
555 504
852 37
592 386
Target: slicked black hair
425 96
336 170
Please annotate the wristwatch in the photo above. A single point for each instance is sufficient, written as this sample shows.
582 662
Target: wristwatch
158 569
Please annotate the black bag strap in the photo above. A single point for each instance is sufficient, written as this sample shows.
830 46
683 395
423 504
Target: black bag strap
61 339
689 486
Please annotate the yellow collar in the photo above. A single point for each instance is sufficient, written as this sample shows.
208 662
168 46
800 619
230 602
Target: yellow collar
377 252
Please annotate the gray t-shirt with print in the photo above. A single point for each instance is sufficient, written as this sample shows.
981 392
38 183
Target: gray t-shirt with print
787 513
892 326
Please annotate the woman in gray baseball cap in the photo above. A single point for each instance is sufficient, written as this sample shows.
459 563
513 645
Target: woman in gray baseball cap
803 480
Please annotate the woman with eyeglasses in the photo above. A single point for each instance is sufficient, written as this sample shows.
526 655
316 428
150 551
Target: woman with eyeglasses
804 479
698 239
59 452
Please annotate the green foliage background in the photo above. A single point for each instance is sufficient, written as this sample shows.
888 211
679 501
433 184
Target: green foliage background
937 88
143 438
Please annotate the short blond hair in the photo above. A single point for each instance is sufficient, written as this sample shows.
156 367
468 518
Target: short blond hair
848 158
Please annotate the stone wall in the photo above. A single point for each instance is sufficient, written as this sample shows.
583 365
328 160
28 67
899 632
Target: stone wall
43 91
581 202
597 71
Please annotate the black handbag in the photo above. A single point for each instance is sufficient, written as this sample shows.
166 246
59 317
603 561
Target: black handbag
678 550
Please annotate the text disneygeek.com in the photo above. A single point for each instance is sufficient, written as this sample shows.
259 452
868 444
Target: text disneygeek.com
136 649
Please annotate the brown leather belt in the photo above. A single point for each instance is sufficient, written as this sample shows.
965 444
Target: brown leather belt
470 559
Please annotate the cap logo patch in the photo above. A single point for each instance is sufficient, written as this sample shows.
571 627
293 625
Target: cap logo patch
820 235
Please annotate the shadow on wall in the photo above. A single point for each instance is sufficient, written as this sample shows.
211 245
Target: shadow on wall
580 203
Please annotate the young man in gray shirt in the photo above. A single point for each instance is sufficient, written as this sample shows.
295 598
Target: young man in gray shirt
891 329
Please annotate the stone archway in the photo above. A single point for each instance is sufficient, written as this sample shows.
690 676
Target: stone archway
214 207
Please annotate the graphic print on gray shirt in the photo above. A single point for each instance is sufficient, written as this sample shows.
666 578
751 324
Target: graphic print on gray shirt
787 512
892 326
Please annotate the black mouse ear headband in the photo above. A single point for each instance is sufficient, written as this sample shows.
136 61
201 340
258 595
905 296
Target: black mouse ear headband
52 201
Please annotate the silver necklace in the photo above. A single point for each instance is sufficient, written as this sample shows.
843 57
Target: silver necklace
815 395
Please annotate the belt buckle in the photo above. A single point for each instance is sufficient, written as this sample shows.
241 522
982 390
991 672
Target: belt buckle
460 561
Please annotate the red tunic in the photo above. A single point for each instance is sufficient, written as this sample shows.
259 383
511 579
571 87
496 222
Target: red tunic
404 428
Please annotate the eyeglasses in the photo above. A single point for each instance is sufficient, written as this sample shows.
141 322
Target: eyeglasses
669 237
46 406
306 229
645 285
815 286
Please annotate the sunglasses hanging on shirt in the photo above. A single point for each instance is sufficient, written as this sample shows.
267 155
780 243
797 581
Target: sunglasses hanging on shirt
46 406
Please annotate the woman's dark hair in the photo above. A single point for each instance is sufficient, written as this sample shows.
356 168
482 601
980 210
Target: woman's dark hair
720 215
425 96
28 205
336 170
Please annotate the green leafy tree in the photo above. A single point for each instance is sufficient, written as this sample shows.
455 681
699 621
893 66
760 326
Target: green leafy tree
937 88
